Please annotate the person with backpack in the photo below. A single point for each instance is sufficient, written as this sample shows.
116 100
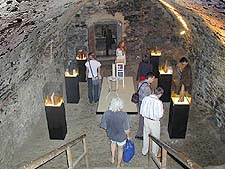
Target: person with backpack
145 89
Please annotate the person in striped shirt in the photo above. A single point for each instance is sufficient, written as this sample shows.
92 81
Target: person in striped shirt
152 111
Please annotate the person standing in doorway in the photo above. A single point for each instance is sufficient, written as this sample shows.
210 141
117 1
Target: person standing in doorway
152 111
93 72
144 90
108 39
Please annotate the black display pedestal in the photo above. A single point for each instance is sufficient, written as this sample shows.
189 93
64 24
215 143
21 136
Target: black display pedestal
165 81
178 118
82 70
72 89
56 119
154 60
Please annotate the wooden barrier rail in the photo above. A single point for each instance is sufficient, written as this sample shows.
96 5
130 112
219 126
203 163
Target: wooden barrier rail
58 151
167 150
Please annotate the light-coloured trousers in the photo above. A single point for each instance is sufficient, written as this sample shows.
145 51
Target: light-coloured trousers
153 128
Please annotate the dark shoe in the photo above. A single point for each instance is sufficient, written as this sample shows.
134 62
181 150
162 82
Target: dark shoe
139 137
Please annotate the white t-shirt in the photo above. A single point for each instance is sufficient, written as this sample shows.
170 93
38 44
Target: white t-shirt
94 66
119 53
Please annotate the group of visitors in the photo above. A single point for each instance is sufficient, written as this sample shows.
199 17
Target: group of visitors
116 123
150 107
150 110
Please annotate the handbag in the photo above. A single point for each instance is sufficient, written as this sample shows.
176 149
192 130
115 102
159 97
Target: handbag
128 151
135 96
95 80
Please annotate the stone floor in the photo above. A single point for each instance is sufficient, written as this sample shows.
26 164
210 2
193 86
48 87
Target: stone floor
202 143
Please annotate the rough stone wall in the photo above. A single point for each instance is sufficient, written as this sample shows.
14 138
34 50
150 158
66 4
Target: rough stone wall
30 30
28 27
150 26
204 49
207 55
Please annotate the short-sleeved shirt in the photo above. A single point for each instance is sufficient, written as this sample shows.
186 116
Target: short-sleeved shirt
151 107
144 90
115 124
94 66
119 53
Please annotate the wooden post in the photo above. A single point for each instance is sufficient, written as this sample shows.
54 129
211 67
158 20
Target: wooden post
85 151
164 158
69 158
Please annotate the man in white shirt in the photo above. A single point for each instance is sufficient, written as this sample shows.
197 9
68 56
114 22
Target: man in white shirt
152 111
92 72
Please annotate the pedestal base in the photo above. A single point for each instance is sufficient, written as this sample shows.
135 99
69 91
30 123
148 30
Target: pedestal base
72 89
154 60
178 118
82 70
56 120
165 81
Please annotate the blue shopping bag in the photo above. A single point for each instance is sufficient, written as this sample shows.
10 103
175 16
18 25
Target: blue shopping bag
128 151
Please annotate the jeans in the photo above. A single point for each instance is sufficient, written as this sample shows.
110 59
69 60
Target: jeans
93 91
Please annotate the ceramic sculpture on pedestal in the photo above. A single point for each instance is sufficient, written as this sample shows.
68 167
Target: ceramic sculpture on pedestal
166 67
182 93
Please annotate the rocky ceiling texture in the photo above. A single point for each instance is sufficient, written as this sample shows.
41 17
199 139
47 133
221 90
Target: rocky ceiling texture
33 43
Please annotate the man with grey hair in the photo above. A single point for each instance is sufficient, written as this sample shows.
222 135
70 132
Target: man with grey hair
117 127
152 111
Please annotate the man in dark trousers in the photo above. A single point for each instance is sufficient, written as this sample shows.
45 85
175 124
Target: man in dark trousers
108 39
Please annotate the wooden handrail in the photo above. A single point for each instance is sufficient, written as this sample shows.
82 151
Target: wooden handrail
66 147
167 150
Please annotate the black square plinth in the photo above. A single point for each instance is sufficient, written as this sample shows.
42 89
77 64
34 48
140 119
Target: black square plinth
56 120
178 118
82 70
154 60
165 81
72 89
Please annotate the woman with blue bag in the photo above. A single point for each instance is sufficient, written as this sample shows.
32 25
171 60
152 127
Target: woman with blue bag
117 127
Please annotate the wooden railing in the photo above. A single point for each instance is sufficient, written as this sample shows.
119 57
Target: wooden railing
167 150
58 151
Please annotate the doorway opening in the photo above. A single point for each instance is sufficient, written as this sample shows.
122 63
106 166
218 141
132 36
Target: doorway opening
107 36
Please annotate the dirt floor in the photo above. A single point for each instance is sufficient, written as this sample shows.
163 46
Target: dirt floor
202 143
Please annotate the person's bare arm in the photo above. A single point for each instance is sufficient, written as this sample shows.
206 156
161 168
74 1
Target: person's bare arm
128 134
99 72
86 73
